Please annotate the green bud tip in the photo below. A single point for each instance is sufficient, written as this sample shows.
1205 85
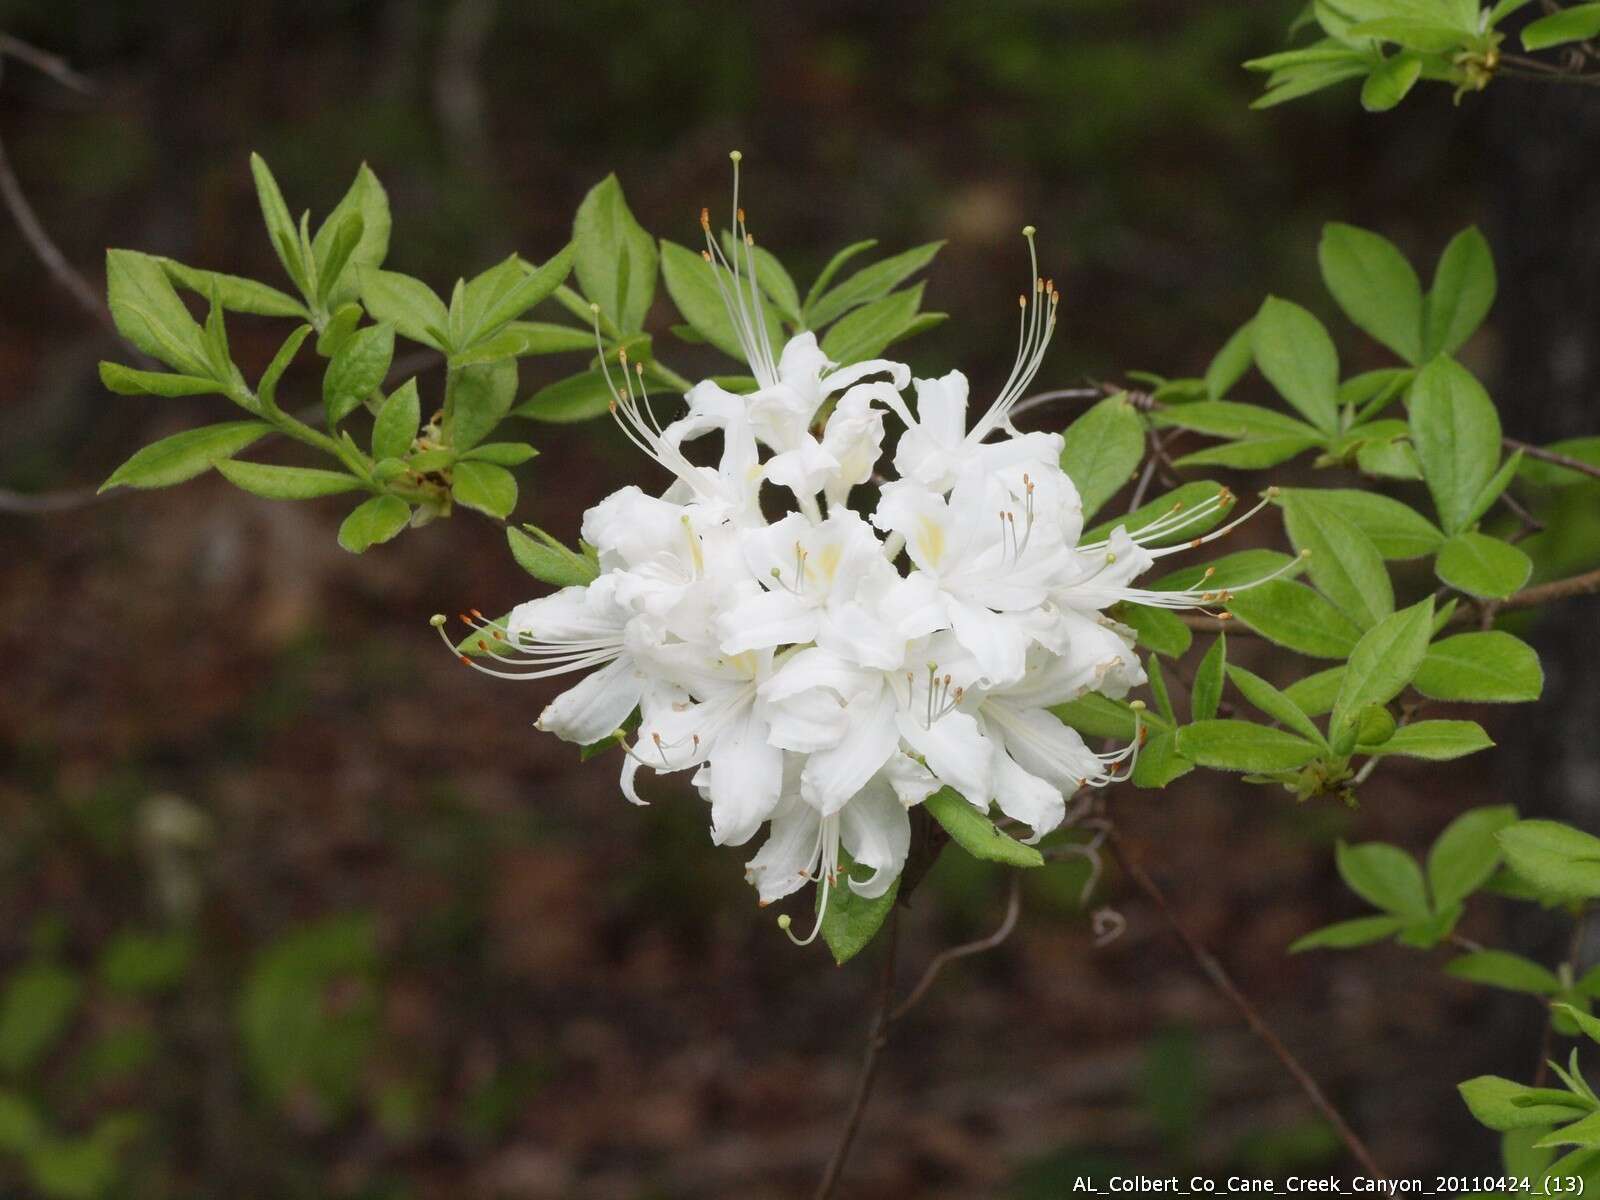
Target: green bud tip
784 922
1028 231
736 155
437 620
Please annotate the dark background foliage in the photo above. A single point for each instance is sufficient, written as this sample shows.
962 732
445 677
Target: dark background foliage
308 910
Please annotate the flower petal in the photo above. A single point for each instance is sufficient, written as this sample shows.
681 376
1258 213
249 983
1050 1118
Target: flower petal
832 776
876 830
956 750
594 708
1027 798
783 864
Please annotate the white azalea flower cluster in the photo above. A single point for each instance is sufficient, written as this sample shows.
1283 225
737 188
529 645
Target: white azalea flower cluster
825 671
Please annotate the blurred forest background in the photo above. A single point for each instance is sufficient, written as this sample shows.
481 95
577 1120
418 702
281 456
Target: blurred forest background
291 905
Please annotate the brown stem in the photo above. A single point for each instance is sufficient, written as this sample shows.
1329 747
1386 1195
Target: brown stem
943 960
1552 456
1258 1025
49 64
877 1037
44 249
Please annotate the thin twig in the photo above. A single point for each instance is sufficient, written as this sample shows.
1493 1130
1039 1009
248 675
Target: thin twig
49 502
44 249
1224 984
1030 403
877 1037
1552 456
47 63
943 960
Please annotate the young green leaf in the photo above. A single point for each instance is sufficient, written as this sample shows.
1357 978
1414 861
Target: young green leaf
1254 454
1344 563
851 921
1160 629
1576 24
1346 935
395 427
1230 363
1101 450
1397 530
1294 616
1295 353
1158 689
1274 704
542 337
825 276
976 833
775 282
1456 433
149 314
1497 968
476 400
1244 746
692 284
501 454
1372 281
1384 660
530 287
1438 741
1557 858
1094 715
411 306
286 483
1206 695
184 455
233 292
1489 666
357 371
1391 79
1159 761
1480 565
546 559
1503 1104
372 522
614 257
1224 418
1466 853
485 487
864 333
125 381
576 398
1384 876
1463 291
367 201
1315 694
1189 497
869 284
281 230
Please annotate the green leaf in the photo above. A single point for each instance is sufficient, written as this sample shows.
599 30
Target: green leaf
1101 450
1255 454
338 329
1384 660
1159 761
1315 694
869 284
1346 935
1291 83
281 230
1480 565
1576 24
1557 858
1466 853
615 258
125 381
501 454
546 559
1389 459
825 276
1456 433
1497 968
530 287
543 337
1206 695
1274 703
1463 291
267 388
1295 353
1294 616
1371 280
1224 418
865 332
331 267
692 284
1244 746
141 963
1586 1022
1344 563
367 200
149 314
1396 529
775 282
485 487
357 371
576 398
1158 689
1435 740
411 306
851 921
1230 571
1160 629
1390 81
976 833
477 399
234 292
1384 876
1503 1104
38 1003
1094 715
1230 363
373 522
286 483
1424 36
184 455
1189 496
1490 666
1585 1133
395 427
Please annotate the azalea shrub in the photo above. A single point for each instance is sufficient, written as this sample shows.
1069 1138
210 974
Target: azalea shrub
870 617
